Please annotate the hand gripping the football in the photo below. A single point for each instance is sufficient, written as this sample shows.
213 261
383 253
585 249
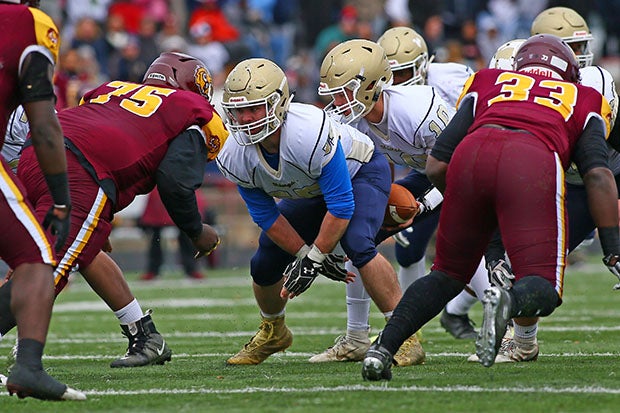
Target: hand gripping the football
301 273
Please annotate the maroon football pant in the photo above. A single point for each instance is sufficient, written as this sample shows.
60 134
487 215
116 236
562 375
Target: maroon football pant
91 213
511 179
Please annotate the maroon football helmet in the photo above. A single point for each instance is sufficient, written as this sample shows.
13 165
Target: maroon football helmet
180 71
549 55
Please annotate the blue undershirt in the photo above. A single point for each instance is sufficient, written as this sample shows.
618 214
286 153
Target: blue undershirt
335 184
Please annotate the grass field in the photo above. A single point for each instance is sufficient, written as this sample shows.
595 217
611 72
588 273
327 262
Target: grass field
205 322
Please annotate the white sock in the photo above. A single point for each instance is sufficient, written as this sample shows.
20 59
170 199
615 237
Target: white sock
408 275
525 333
131 313
358 302
480 281
272 316
461 304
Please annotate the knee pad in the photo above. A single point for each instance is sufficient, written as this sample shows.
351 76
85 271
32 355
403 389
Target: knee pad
534 297
7 321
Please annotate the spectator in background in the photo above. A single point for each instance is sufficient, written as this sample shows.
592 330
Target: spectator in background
153 220
88 33
78 71
115 33
128 65
345 29
472 56
212 53
147 34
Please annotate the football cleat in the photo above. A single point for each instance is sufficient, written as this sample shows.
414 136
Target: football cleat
377 364
146 345
410 353
28 382
513 351
497 307
459 326
346 348
273 335
10 358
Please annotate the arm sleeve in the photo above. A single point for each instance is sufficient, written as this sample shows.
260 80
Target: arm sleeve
35 83
454 132
261 206
591 149
179 175
335 183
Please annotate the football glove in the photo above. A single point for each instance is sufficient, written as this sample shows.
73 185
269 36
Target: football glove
58 226
500 274
612 261
401 239
299 275
333 267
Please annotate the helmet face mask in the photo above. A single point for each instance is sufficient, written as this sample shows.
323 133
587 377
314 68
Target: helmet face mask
359 66
567 24
348 111
180 71
256 99
406 49
548 55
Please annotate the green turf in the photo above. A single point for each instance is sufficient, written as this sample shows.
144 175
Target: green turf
205 322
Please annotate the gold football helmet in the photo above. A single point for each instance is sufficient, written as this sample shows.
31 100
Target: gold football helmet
569 26
504 57
255 83
359 67
406 49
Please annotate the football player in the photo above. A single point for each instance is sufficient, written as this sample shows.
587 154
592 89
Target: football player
507 121
354 75
28 51
333 187
522 344
407 53
124 139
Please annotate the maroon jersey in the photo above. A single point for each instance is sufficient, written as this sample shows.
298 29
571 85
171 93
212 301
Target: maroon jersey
537 104
30 30
124 129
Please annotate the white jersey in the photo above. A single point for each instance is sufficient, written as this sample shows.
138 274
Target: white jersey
600 79
16 132
307 143
413 118
448 79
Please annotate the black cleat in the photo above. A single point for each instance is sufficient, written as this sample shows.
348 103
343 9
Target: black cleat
459 326
27 382
146 345
378 363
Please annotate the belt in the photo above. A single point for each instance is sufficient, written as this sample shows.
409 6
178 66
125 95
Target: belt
501 127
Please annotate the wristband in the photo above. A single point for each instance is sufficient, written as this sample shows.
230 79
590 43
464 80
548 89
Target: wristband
316 255
303 251
610 240
59 188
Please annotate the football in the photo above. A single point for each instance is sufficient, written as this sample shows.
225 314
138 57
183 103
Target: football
401 206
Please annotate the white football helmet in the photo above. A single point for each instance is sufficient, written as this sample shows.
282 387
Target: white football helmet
253 83
569 26
362 68
504 57
601 80
406 49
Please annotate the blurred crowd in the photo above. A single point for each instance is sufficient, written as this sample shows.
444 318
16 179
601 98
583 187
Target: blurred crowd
118 39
